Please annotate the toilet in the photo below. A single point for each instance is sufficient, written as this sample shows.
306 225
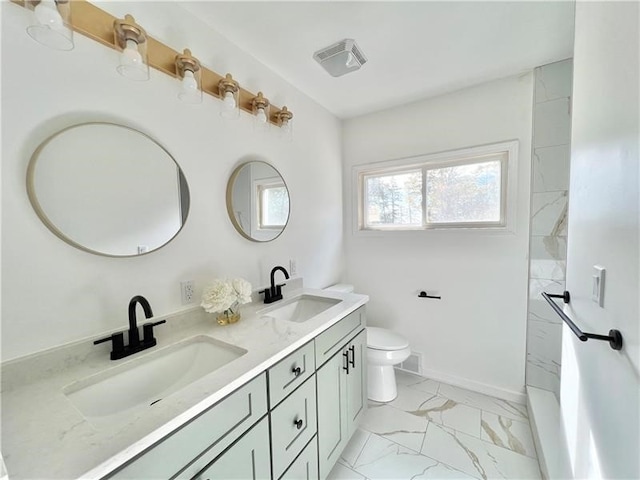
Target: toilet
385 349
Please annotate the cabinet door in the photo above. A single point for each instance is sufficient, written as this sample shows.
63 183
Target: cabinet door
186 451
305 467
332 421
356 382
247 459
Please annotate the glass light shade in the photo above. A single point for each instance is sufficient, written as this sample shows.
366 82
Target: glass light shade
286 130
229 91
229 108
285 122
52 24
133 61
261 120
190 91
261 115
261 109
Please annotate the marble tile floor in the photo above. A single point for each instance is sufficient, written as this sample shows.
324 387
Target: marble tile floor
437 431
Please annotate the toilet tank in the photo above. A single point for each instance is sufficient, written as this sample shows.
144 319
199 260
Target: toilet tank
341 287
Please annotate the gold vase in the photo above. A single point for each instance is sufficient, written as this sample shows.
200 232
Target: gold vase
225 318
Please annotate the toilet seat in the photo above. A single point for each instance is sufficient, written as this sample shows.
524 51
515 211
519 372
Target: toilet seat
386 340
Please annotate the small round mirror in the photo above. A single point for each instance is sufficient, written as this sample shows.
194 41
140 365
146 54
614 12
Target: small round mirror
108 189
258 201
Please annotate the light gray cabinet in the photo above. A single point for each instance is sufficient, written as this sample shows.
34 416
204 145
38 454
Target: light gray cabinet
341 385
293 424
305 467
247 459
290 373
356 382
329 342
289 423
184 453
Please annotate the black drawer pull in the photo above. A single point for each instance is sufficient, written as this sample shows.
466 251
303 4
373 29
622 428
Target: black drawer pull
345 355
296 371
352 348
298 423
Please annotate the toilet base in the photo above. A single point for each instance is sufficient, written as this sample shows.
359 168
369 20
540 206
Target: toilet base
382 383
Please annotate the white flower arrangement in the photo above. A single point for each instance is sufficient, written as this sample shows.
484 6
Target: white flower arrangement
226 296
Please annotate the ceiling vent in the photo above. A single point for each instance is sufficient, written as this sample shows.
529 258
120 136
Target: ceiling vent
342 57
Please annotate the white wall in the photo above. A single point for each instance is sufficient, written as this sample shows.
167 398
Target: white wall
475 335
600 389
53 293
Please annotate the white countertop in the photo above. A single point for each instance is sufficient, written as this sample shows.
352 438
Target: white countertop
45 436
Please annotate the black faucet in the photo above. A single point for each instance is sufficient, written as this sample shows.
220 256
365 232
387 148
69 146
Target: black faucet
120 350
274 292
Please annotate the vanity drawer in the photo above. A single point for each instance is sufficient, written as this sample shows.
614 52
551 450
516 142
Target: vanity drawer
186 451
305 467
333 339
293 424
247 459
290 373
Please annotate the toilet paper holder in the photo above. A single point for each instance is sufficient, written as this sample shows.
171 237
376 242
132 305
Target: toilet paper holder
423 294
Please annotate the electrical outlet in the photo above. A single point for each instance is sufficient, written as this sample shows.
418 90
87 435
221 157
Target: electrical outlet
187 288
293 267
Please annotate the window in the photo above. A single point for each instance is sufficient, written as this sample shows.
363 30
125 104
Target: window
273 205
461 189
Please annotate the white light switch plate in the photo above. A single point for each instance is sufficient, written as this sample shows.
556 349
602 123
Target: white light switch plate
597 292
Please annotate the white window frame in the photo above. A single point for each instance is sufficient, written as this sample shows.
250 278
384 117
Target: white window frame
259 187
465 156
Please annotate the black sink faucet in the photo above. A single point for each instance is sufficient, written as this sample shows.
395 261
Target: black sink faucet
120 350
274 292
134 335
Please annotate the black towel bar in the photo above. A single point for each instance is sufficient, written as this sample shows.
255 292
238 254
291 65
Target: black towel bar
614 338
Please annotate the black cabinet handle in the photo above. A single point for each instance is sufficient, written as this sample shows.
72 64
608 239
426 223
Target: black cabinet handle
298 423
352 349
345 355
296 371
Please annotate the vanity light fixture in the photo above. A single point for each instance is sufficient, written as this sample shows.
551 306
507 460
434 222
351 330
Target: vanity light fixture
188 68
284 119
52 25
260 107
132 39
140 51
229 90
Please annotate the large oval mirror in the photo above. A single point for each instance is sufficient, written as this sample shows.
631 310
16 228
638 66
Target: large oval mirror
108 189
258 201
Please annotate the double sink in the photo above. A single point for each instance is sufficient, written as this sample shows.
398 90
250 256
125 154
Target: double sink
144 381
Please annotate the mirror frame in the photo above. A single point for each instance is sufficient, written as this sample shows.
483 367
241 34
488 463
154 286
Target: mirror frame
229 198
35 203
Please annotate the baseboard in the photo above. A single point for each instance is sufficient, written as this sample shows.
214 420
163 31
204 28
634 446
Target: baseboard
503 393
548 435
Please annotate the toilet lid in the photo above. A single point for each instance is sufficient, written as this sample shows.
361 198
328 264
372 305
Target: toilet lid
383 339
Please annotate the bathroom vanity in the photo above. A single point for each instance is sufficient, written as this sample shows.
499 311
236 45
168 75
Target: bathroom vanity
282 405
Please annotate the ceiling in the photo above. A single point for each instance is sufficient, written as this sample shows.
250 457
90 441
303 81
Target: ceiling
415 50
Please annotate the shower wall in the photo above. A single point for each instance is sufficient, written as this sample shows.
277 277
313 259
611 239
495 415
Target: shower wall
548 243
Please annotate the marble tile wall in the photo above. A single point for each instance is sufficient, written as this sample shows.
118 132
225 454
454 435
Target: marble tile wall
548 250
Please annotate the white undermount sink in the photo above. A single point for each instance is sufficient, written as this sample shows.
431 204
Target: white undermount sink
300 309
144 381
